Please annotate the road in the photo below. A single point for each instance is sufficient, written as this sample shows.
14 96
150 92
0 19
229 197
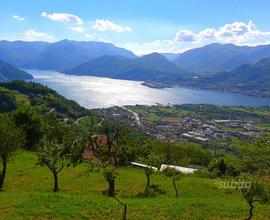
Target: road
78 120
136 116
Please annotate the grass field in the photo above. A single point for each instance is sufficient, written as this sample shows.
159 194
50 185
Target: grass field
20 98
28 195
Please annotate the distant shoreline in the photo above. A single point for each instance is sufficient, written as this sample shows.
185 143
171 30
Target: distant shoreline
159 85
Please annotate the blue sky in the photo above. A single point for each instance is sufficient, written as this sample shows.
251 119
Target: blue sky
142 26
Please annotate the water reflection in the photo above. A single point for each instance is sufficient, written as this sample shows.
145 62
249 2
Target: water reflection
96 92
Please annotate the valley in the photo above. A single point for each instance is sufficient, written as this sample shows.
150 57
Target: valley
193 136
216 127
135 110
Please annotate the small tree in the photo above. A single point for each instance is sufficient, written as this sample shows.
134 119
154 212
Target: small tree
107 149
151 160
255 191
51 155
222 167
31 124
255 157
8 102
55 152
11 138
170 172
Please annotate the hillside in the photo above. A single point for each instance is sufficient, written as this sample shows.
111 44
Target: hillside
170 56
10 72
249 79
56 56
45 100
83 186
220 57
104 66
144 68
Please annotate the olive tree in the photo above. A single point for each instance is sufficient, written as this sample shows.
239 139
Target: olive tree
107 151
11 138
255 157
170 172
55 150
152 161
31 124
51 154
256 191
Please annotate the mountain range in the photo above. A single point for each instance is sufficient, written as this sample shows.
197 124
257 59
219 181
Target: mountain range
251 79
220 57
56 56
226 67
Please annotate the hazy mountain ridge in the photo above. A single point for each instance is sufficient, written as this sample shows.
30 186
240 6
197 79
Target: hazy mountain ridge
56 56
10 72
220 57
20 53
250 79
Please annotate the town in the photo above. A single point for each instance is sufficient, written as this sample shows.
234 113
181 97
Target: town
174 123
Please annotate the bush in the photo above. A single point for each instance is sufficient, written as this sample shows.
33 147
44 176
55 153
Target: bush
205 173
223 167
8 102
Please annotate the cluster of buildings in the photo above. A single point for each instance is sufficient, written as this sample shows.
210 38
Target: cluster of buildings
199 130
178 127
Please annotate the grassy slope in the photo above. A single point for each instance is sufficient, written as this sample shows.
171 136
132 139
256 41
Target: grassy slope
28 195
20 98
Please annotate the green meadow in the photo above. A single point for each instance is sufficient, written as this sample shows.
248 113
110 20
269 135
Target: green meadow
28 195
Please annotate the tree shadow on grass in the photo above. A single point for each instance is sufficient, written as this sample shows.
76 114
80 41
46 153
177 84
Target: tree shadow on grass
153 191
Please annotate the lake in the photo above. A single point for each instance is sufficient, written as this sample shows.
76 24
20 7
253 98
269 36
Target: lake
97 92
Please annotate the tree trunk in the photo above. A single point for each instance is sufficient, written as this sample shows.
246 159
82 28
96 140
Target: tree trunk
250 211
111 190
3 174
148 181
55 182
175 187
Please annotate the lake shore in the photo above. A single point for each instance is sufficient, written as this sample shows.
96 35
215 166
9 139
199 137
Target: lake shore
97 92
253 93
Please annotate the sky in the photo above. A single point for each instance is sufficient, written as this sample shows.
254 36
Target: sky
142 26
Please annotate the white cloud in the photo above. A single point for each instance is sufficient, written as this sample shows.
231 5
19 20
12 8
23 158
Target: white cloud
106 25
90 36
236 32
79 29
18 18
239 33
32 35
185 35
63 17
160 46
